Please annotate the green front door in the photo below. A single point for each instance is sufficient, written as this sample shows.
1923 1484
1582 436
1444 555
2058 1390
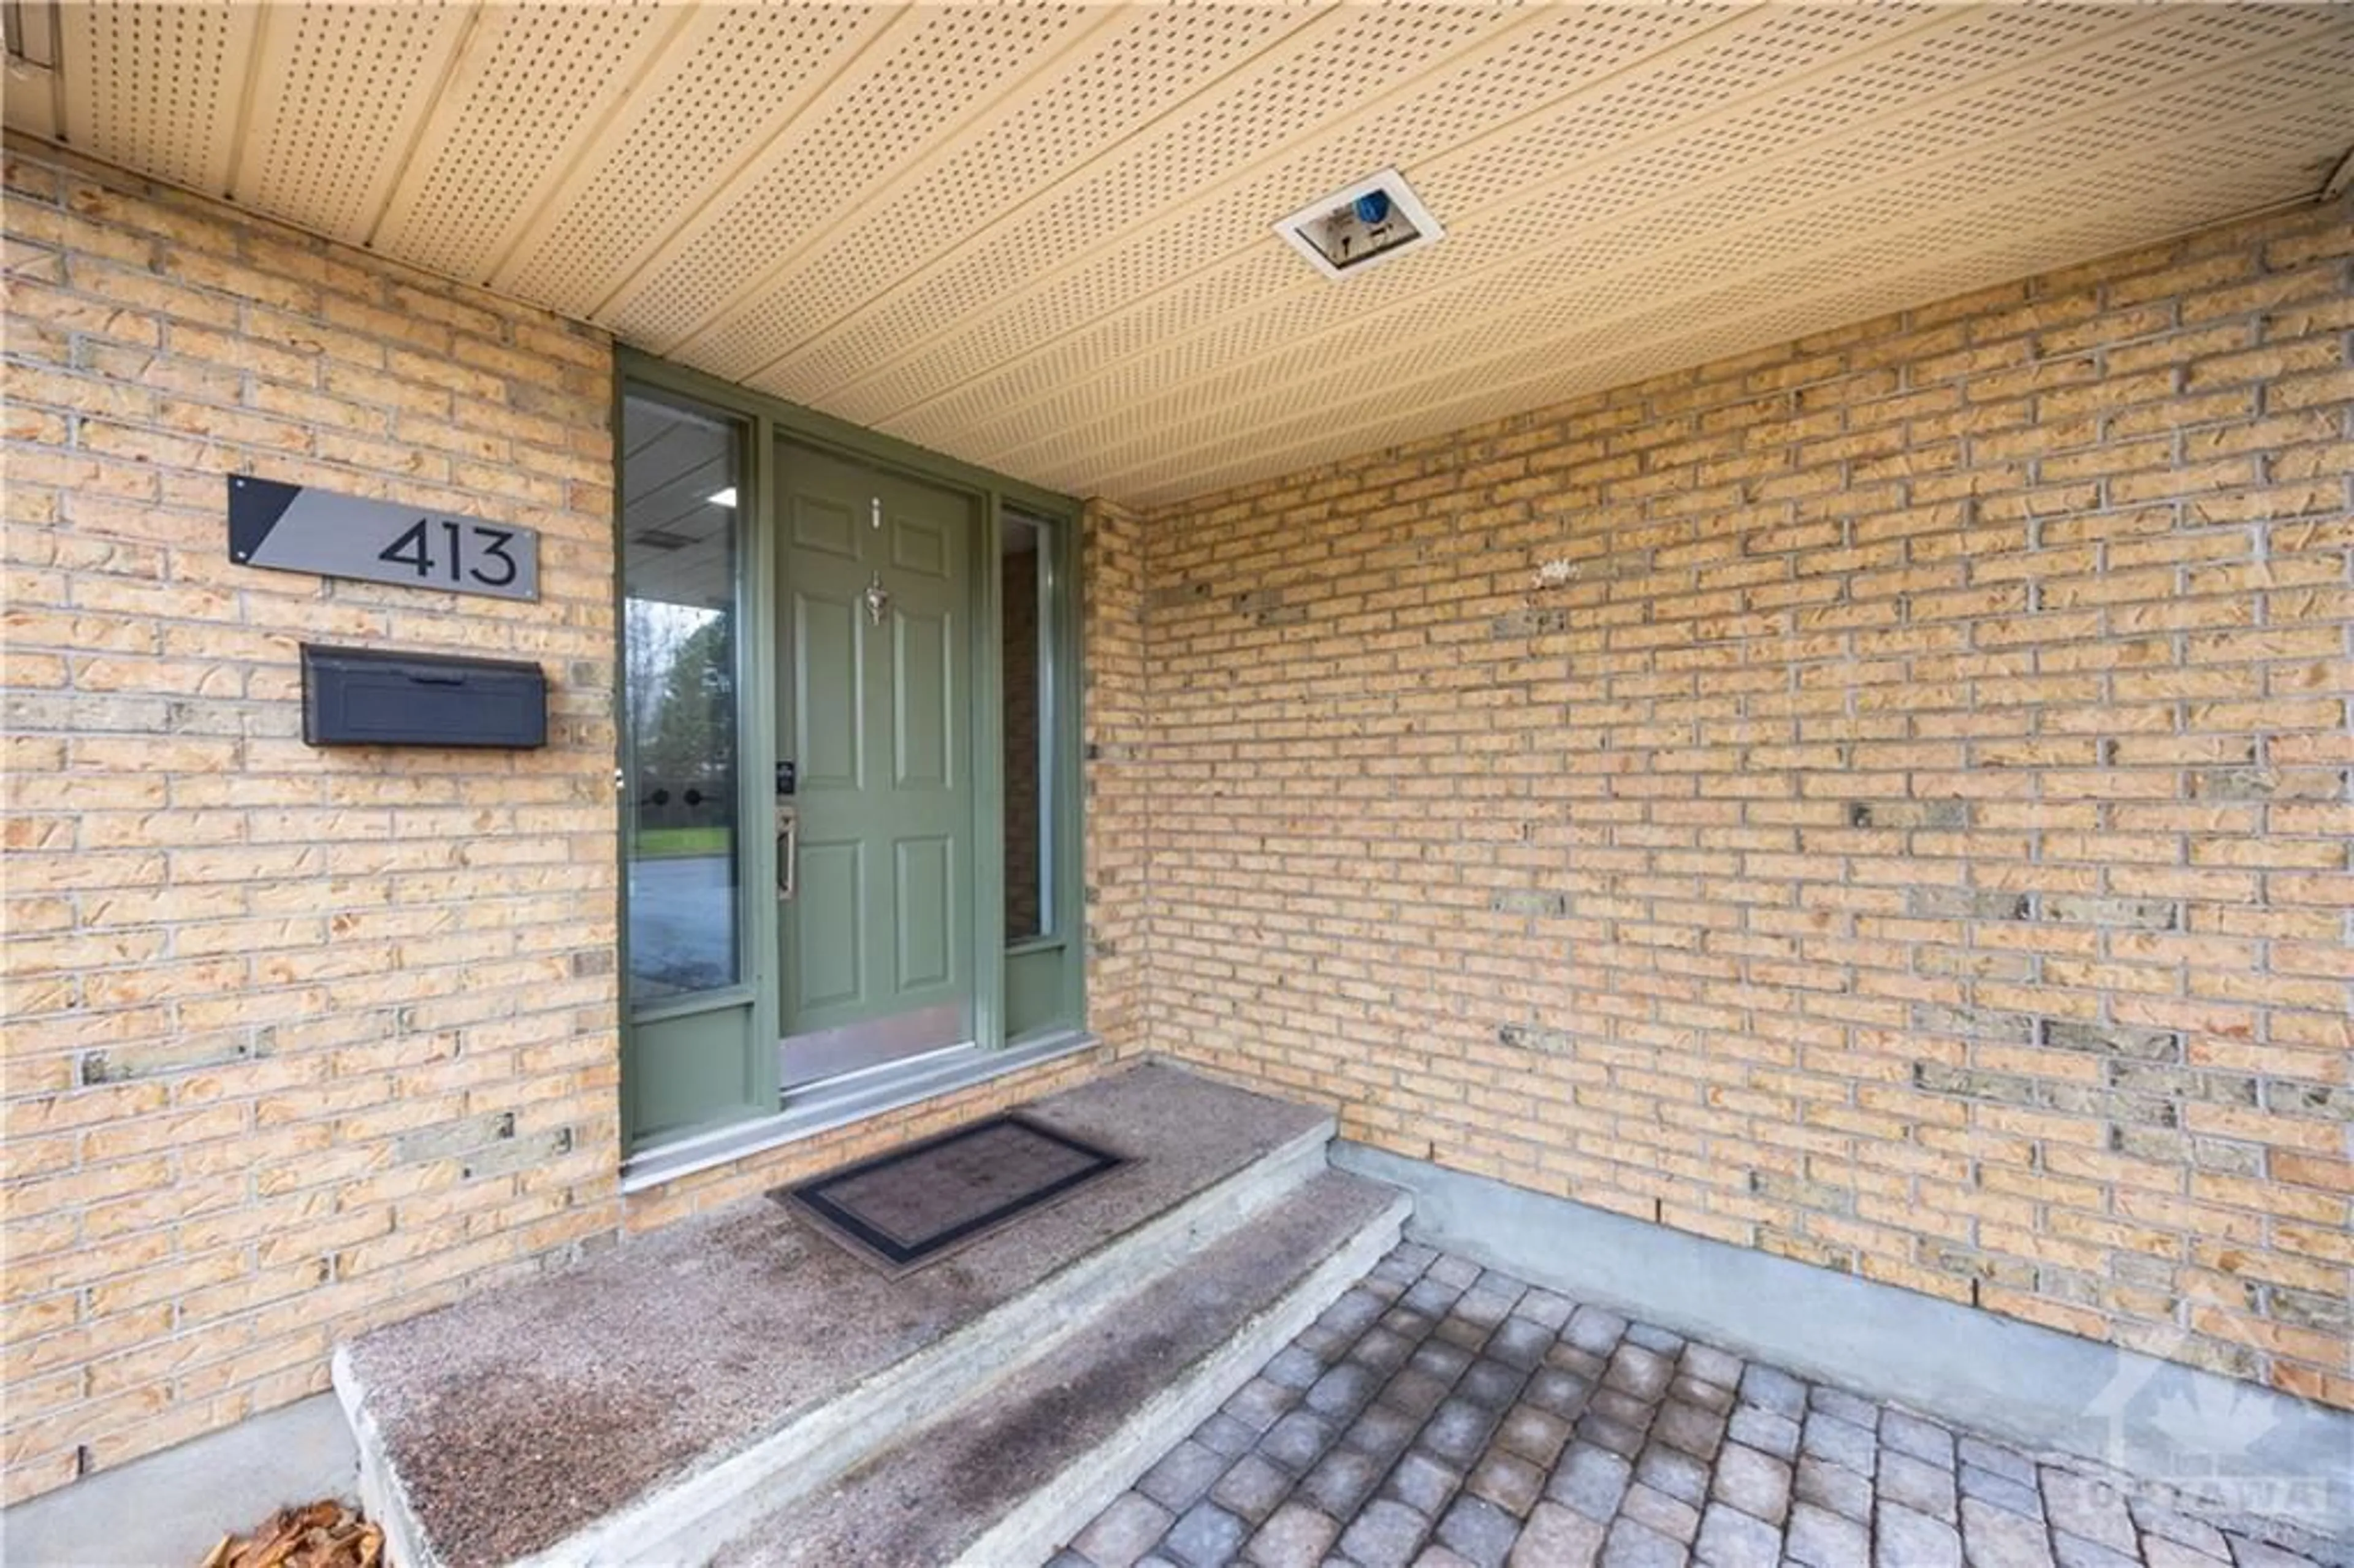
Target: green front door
876 799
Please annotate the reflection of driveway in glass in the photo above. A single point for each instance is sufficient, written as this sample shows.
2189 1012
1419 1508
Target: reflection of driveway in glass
682 922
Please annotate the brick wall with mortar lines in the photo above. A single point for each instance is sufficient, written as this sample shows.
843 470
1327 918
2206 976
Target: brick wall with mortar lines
1883 799
298 1040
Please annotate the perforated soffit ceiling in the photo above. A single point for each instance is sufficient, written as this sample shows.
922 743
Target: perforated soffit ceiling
1037 235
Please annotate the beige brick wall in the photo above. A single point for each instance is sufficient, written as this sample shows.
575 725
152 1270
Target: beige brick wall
299 1040
1882 801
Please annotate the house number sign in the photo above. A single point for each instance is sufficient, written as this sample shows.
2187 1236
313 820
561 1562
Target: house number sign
301 528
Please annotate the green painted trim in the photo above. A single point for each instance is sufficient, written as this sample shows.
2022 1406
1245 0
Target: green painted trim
767 420
824 430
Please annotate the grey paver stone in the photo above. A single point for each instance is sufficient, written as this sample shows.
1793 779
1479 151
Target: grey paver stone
2088 1509
1674 1472
1533 1433
1757 1484
1520 1342
1415 1256
1259 1403
1821 1538
1486 1306
2162 1553
1562 1393
1490 1383
1357 1310
1908 1539
1846 1406
1557 1537
1652 1336
2250 1553
1207 1536
1689 1427
1763 1429
1066 1558
1633 1545
1545 1308
1641 1372
1509 1481
1570 1359
1294 1535
1462 1332
1834 1487
1616 1435
1511 1285
1383 1351
1478 1529
1591 1480
1623 1408
1440 1360
1416 1391
1381 1431
1995 1538
1594 1328
1224 1433
1998 1458
1182 1475
1342 1480
2179 1529
1450 1269
1297 1440
1457 1430
1293 1367
1124 1532
1430 1296
1437 1556
1917 1483
1423 1483
1710 1365
1776 1390
2011 1496
1251 1489
1341 1391
1827 1437
2075 1552
1922 1438
1690 1390
1669 1516
1325 1342
1408 1324
1385 1535
1731 1538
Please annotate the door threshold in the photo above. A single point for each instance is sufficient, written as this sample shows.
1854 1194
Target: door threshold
853 1096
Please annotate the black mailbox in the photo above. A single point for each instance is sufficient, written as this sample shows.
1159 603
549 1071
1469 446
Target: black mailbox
356 696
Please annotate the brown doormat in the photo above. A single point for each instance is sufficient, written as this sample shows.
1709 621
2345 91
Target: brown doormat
915 1205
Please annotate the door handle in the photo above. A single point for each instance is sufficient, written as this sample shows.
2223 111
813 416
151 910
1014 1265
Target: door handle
789 846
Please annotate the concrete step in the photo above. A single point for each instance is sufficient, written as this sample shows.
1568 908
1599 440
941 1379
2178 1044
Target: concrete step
638 1408
1020 1466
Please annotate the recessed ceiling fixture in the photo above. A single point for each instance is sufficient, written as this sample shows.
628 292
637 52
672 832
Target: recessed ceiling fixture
721 497
1376 219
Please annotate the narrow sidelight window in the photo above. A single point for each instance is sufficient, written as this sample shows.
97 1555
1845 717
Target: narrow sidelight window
1026 593
682 473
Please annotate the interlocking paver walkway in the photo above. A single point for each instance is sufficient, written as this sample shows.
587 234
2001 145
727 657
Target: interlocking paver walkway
1442 1414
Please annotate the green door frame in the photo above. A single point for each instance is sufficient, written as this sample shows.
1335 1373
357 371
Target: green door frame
766 420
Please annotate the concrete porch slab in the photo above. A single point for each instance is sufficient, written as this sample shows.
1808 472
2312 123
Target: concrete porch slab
734 1355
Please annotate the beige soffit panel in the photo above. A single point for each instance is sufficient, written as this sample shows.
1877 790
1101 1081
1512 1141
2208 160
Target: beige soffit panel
532 85
150 86
1035 234
336 96
1588 268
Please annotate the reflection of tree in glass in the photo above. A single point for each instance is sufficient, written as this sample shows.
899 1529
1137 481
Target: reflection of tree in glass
685 732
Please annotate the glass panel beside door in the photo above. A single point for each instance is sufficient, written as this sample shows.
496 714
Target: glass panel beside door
683 857
875 790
